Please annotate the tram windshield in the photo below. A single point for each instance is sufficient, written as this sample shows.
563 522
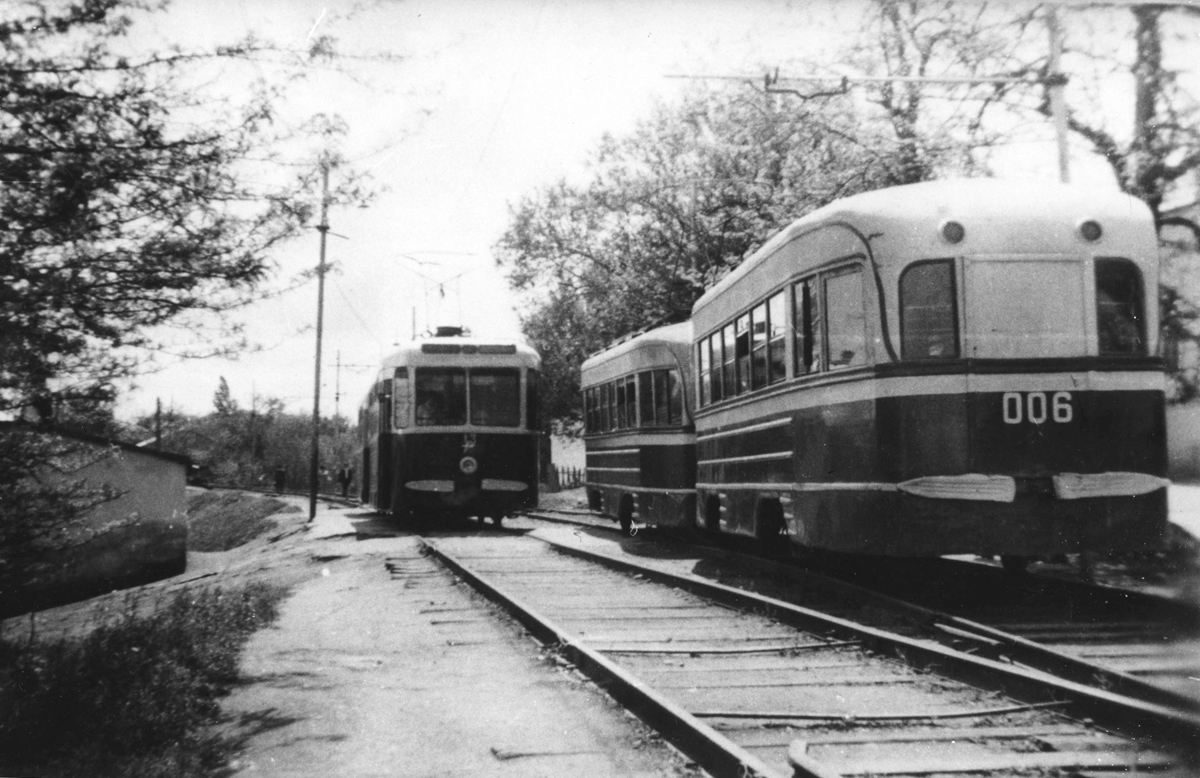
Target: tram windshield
495 398
443 395
1020 308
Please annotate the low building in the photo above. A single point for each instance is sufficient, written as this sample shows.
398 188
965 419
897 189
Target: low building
138 533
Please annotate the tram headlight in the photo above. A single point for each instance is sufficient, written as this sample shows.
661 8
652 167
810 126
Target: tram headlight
1090 230
953 232
468 465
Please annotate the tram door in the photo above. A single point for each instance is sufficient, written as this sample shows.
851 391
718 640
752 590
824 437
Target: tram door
367 475
383 454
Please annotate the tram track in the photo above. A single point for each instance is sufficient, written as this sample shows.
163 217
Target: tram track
1143 644
747 684
1132 644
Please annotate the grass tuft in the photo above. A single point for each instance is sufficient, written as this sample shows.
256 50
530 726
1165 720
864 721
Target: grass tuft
136 696
219 521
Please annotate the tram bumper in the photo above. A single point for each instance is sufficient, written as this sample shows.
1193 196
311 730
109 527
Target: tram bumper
469 494
1111 512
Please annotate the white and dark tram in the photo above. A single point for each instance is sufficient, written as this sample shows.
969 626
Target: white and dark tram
947 367
638 435
450 427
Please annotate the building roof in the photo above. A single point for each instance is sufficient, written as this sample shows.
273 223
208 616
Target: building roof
99 440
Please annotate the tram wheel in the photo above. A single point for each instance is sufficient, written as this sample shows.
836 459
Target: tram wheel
769 529
625 514
712 515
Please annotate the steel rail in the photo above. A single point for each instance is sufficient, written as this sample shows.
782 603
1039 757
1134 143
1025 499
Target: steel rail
998 642
992 641
1137 718
700 742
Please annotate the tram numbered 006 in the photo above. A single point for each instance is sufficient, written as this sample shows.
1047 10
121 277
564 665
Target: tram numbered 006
639 439
946 367
450 428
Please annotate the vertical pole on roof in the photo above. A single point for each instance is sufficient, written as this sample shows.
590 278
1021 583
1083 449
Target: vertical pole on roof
314 466
1057 81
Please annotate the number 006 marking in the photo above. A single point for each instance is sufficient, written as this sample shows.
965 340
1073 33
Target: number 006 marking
1037 408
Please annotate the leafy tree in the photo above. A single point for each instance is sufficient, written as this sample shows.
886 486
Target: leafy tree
932 127
242 447
126 205
672 208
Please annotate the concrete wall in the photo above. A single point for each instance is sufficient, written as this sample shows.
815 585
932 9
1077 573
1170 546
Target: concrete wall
154 489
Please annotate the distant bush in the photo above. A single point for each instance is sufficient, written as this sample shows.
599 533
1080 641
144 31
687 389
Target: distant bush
136 696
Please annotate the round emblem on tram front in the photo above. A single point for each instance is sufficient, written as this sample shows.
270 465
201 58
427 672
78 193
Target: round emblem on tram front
468 465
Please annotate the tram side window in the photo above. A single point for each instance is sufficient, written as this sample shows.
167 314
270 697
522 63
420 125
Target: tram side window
631 398
703 353
1120 319
646 398
495 397
441 396
807 327
619 390
742 346
777 329
674 397
662 398
845 321
401 399
928 314
383 391
729 364
758 346
717 358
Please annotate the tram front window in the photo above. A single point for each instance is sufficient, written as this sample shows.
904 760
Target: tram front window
441 396
495 398
1119 308
928 319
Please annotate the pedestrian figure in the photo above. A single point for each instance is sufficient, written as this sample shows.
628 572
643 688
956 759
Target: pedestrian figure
344 476
280 477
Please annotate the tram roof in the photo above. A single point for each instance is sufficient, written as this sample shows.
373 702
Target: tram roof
466 350
660 347
900 213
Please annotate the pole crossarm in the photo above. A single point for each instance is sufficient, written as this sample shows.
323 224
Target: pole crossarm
1052 78
770 80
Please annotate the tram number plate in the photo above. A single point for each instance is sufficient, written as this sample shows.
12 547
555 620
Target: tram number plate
1037 407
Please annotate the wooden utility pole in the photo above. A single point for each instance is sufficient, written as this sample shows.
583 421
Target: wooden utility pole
1055 81
314 464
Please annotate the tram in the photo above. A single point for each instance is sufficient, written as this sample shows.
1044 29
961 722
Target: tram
946 367
639 439
638 435
450 428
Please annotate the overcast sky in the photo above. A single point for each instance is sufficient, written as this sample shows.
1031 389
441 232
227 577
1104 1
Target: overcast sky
491 100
